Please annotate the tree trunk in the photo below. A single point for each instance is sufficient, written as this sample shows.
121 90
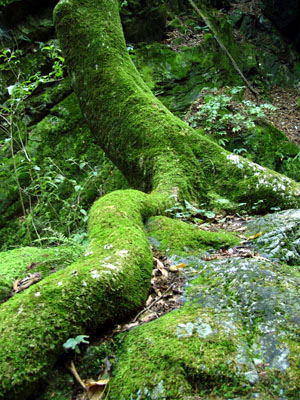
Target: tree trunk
158 153
154 149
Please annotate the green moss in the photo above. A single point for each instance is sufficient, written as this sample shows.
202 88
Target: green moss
153 148
109 282
228 340
179 237
185 353
269 147
244 183
16 264
177 77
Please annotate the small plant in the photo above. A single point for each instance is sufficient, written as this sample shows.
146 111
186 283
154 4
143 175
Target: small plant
188 212
222 115
53 193
13 113
73 343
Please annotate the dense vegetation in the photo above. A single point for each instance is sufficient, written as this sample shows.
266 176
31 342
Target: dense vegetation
61 150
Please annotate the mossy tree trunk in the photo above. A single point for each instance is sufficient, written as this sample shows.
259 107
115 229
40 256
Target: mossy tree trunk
155 150
158 153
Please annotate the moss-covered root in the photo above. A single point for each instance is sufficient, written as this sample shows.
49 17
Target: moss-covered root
110 281
136 131
231 177
180 238
17 263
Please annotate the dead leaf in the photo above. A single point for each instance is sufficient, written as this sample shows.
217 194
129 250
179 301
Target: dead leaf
149 317
96 393
96 389
150 300
257 235
32 265
177 267
157 291
15 285
127 327
91 382
23 284
161 267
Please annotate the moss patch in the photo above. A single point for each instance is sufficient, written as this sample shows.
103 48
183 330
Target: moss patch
269 147
179 237
16 264
184 353
236 336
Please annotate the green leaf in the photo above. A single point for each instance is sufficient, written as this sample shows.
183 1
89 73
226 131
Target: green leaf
209 214
72 343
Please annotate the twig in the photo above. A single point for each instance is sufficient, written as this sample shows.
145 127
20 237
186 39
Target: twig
220 43
74 372
153 302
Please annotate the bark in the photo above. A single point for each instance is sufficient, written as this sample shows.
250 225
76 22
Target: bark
156 152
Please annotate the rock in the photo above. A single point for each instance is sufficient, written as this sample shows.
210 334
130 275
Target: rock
280 241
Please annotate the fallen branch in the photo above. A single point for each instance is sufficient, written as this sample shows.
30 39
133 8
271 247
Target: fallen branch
220 43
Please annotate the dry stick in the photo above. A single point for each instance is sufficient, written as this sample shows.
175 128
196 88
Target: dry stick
74 372
17 178
155 301
218 40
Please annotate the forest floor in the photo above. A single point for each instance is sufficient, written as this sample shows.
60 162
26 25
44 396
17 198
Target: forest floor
287 114
167 285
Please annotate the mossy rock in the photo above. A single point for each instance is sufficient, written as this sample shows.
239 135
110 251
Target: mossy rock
177 77
183 354
278 236
229 340
269 147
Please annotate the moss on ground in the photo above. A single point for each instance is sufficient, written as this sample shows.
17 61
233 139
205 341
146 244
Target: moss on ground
156 151
177 237
237 336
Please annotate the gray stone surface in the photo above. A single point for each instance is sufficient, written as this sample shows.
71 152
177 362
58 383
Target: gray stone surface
280 238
